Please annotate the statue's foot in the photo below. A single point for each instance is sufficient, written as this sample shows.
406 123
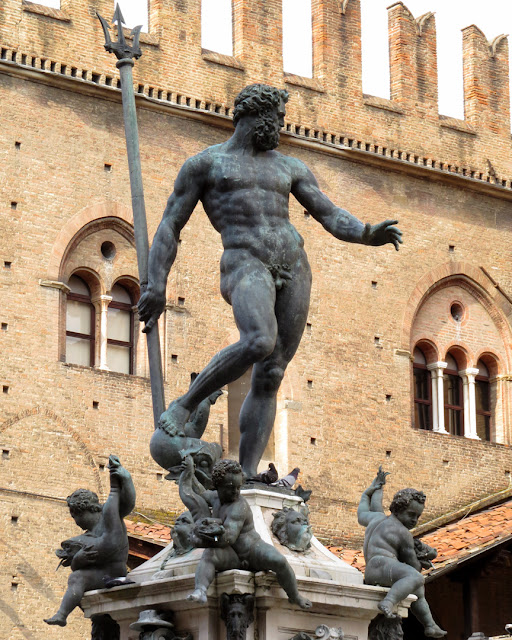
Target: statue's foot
57 619
173 420
434 632
387 609
303 603
198 595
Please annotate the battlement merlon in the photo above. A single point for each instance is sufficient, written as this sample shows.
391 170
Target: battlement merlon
330 106
486 81
413 58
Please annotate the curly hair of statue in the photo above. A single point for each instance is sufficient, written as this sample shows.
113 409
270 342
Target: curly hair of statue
83 500
257 99
403 498
222 468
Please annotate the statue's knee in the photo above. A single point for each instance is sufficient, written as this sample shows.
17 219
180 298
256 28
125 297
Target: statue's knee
76 580
270 380
279 563
260 347
419 581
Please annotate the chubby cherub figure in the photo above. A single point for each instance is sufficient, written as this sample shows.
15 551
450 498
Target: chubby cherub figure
390 552
102 550
224 526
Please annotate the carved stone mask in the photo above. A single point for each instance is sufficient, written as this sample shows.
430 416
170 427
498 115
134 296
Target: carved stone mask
237 613
292 529
180 533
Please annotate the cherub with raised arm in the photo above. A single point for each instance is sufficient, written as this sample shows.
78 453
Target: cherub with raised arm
224 527
102 550
390 551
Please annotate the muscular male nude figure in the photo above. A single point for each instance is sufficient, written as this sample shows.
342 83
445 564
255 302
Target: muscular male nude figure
244 186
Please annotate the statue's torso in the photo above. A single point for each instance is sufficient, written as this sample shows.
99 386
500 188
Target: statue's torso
248 536
246 199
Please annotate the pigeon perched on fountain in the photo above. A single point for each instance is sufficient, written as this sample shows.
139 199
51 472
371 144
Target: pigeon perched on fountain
288 481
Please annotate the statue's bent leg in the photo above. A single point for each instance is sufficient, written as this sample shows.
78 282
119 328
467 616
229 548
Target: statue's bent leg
212 561
403 580
77 585
252 298
264 557
259 408
422 612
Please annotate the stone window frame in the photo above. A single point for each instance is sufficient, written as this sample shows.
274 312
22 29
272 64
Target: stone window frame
456 410
124 307
485 413
100 295
468 376
100 304
77 297
423 401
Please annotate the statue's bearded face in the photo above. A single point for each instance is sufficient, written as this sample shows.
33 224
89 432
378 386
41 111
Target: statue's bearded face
266 128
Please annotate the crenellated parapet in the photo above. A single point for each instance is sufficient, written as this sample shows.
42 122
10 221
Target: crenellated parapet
330 108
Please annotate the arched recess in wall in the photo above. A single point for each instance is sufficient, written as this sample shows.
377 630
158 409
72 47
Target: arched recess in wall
77 222
460 338
99 291
278 448
46 460
497 306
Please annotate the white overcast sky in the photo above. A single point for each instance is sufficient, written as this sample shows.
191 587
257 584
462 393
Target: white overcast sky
493 17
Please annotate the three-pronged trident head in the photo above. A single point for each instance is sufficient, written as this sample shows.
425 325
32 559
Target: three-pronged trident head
121 48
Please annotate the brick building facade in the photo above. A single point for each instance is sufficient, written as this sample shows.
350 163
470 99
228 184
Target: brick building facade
352 398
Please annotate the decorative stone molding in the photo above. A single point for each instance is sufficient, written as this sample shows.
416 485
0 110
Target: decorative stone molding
421 22
55 284
322 631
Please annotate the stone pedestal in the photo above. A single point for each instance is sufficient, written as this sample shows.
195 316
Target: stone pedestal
339 597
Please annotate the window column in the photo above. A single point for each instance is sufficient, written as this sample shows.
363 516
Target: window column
102 303
436 369
468 394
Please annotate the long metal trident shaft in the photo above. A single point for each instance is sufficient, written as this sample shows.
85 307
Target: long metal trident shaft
125 55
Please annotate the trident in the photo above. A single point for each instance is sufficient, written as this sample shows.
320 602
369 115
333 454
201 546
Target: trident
125 54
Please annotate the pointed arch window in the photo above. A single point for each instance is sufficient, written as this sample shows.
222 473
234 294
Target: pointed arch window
120 331
80 321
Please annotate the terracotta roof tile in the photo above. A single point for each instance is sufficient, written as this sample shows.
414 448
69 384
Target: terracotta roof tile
156 532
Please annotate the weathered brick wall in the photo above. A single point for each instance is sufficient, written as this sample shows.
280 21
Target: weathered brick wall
346 401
